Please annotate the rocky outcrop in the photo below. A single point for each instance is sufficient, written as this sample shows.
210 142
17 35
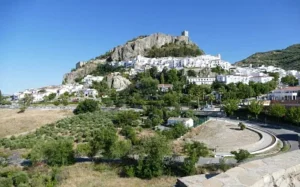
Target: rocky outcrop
116 81
140 46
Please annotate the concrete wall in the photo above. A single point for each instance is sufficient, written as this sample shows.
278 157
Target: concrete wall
281 170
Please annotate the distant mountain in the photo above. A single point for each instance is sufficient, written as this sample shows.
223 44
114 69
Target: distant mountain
154 45
287 59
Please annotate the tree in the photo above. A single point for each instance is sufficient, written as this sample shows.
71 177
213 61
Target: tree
51 96
1 97
119 149
275 75
293 115
25 102
55 153
153 72
172 76
162 78
197 149
241 155
148 86
175 132
256 107
194 151
171 99
230 106
191 73
289 80
88 105
198 92
277 110
126 118
102 141
151 152
219 70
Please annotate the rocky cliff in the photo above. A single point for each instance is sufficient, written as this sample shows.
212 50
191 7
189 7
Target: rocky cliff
116 81
137 46
141 45
288 58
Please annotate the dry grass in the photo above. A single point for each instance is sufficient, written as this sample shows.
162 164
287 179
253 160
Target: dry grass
14 123
83 175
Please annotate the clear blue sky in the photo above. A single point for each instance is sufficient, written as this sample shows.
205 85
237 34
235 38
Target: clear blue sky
40 40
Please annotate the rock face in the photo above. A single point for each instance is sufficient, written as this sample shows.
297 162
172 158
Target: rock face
116 81
141 45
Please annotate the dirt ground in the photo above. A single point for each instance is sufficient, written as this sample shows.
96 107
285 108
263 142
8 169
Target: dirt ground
83 175
222 136
14 123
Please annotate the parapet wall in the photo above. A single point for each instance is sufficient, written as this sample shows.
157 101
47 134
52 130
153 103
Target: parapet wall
281 170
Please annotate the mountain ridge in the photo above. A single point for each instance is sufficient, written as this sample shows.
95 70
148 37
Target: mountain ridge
288 58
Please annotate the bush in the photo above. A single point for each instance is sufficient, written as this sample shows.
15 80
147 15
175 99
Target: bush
55 153
241 155
83 149
19 178
129 171
6 182
56 103
85 106
65 102
177 131
242 126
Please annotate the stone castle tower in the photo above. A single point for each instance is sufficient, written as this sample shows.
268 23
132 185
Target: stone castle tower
185 33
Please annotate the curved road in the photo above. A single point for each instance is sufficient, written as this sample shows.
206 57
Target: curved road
286 133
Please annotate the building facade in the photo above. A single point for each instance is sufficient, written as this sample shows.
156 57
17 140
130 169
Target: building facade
201 80
288 93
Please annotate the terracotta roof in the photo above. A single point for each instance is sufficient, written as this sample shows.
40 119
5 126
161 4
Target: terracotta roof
165 85
295 88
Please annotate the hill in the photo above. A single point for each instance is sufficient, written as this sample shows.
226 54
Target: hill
154 45
288 58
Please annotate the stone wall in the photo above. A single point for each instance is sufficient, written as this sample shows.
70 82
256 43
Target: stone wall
281 170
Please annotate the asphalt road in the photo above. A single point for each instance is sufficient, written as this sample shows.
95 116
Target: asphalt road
286 133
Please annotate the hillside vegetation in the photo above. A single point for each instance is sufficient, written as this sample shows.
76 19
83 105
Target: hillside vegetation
175 50
288 58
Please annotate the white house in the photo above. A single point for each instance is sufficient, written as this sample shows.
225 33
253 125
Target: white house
88 80
227 79
90 93
201 80
261 79
188 122
165 87
288 93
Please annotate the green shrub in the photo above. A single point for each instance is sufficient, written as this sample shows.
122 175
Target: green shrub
6 182
83 149
56 103
19 178
65 102
242 126
129 171
56 152
88 105
241 155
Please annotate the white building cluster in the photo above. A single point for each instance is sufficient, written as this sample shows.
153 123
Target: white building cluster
140 63
82 89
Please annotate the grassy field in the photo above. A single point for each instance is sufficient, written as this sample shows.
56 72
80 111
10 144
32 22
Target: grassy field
12 122
103 175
